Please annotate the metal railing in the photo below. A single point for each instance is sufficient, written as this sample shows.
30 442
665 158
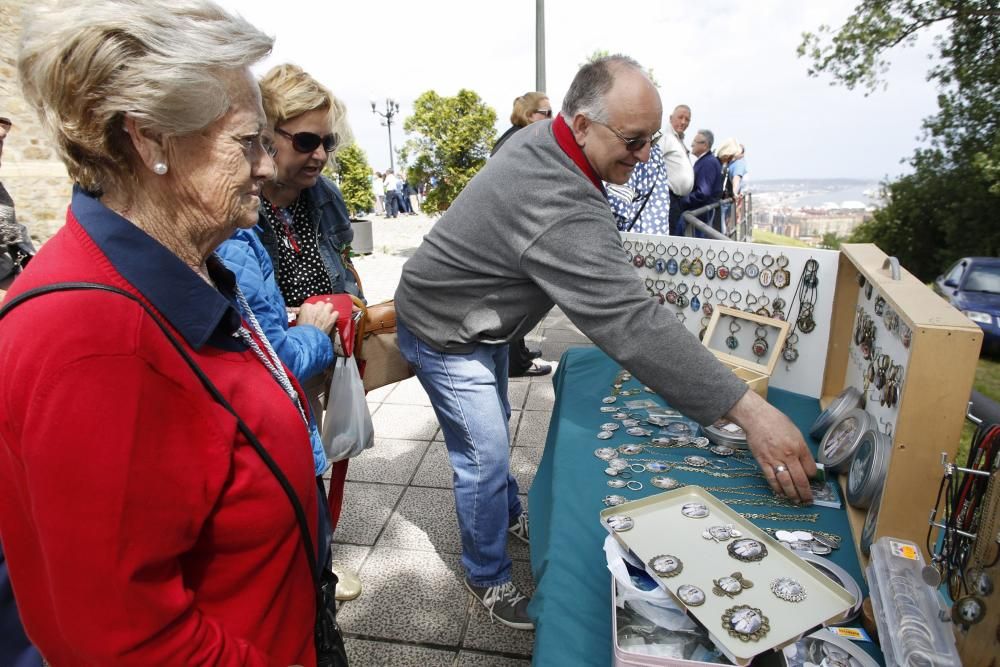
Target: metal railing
737 222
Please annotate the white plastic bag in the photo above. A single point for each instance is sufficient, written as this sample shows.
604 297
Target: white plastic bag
347 426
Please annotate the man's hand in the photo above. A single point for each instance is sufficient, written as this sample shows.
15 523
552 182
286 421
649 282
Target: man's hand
320 315
777 445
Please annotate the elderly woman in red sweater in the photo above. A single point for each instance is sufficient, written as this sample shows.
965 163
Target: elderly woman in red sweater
140 520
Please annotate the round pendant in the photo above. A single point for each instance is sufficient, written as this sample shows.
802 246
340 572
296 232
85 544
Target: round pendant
690 595
781 278
620 415
694 510
731 586
614 500
608 408
745 623
722 450
682 301
979 581
649 262
619 522
617 472
610 426
732 342
618 464
721 533
660 265
788 589
628 422
819 548
697 268
672 266
696 461
752 271
605 435
695 304
701 442
617 483
666 565
747 550
968 610
658 466
671 296
639 261
685 267
707 309
759 347
765 278
606 453
609 399
736 273
710 271
790 354
630 449
639 432
664 482
677 429
722 272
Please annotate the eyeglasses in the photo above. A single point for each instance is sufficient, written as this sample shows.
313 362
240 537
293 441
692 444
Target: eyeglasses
307 142
635 143
545 112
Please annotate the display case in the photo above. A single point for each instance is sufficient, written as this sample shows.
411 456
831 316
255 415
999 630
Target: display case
936 348
739 339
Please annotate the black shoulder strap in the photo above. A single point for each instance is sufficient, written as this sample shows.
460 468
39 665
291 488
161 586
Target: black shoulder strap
286 486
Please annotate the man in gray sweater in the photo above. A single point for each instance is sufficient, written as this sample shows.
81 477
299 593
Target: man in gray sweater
534 229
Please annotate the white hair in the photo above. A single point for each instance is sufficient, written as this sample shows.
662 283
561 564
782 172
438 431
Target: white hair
588 92
85 65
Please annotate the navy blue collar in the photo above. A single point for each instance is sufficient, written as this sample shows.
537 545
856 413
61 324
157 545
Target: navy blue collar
199 313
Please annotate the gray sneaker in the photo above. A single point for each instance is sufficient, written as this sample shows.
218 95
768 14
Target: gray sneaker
505 603
519 528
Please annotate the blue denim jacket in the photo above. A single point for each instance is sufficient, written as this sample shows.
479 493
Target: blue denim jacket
329 216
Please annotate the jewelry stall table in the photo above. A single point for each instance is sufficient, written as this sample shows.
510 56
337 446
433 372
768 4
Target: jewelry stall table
571 605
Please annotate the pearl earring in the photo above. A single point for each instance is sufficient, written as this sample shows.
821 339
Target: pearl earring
160 168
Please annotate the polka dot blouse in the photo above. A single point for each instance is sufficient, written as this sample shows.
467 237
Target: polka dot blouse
301 272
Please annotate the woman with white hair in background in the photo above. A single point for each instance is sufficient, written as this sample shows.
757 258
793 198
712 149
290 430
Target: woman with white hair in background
151 515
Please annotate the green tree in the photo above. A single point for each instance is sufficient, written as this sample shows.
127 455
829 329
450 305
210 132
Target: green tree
355 179
947 208
830 241
453 137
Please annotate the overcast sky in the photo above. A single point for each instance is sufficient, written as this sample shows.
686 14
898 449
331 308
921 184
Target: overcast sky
734 63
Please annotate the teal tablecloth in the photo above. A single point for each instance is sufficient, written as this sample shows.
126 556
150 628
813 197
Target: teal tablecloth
572 600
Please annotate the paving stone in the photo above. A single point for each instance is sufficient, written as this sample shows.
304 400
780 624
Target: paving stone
405 422
488 635
388 461
368 653
524 464
366 509
409 392
533 429
473 659
376 396
409 596
424 520
541 396
517 390
435 469
350 555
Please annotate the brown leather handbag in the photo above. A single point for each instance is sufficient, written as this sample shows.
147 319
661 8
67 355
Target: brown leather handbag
376 347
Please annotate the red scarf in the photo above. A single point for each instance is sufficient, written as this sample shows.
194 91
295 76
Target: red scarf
566 141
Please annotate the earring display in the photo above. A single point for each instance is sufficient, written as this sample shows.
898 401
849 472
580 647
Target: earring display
842 440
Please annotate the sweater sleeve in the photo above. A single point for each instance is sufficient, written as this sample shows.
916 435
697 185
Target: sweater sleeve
121 490
581 265
305 350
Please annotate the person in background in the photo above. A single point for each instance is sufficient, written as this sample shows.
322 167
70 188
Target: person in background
707 183
303 222
528 108
728 153
160 536
680 119
16 249
392 203
379 190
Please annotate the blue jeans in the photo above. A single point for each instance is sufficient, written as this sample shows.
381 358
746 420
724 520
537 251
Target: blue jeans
469 395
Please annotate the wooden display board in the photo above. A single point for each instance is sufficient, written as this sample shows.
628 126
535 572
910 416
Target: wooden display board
929 415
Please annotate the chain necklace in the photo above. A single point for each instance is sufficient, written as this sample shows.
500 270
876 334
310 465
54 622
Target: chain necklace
775 516
267 355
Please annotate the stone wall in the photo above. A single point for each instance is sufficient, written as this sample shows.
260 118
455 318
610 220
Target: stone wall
31 170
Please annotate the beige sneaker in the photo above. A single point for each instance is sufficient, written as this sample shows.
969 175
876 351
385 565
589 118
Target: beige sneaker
348 582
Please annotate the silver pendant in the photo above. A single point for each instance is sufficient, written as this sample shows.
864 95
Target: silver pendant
666 565
605 435
745 623
631 449
620 416
690 595
617 483
630 423
658 466
694 510
606 453
618 464
788 589
639 432
614 500
609 399
619 522
747 550
664 482
721 533
608 408
722 450
617 472
696 461
968 610
610 426
979 581
701 442
731 586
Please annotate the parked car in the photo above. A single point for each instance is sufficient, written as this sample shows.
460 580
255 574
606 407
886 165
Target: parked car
972 285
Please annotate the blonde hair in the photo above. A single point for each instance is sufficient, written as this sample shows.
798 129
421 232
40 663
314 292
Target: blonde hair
287 91
84 66
728 150
524 106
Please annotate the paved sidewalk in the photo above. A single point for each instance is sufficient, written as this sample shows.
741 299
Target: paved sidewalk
399 528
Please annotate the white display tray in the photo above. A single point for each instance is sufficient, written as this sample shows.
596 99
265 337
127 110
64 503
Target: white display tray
660 528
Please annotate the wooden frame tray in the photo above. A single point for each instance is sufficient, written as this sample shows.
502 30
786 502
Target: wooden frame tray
756 374
660 528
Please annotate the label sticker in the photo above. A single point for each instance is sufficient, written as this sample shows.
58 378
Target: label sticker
854 634
902 550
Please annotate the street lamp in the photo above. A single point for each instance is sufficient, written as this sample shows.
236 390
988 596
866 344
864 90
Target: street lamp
391 110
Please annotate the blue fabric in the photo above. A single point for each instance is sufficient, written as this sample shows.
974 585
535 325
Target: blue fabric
573 592
15 649
738 168
469 395
332 223
200 313
648 181
707 190
305 350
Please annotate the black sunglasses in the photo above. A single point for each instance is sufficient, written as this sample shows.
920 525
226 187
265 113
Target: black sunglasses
545 112
633 143
307 142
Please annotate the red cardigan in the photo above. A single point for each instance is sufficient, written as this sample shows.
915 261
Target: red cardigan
139 527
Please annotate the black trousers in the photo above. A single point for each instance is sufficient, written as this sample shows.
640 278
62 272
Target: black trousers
519 358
